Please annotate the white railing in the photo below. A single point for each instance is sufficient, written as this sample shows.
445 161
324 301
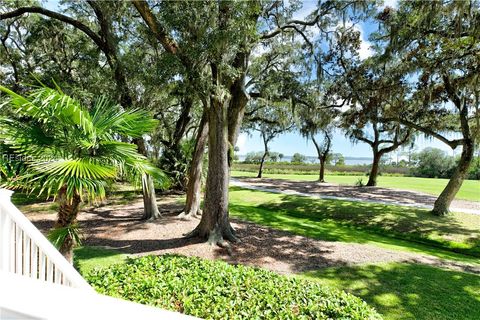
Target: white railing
25 251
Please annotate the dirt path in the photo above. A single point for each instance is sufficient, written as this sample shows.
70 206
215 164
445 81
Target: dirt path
120 227
352 193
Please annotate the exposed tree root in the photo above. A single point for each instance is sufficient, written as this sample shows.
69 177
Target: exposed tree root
190 215
440 213
217 236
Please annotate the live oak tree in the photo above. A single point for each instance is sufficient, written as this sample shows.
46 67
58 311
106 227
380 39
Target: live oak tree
221 51
372 91
438 43
270 119
314 121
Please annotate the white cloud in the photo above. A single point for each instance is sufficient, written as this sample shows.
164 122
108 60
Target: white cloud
365 46
259 50
305 10
390 3
365 50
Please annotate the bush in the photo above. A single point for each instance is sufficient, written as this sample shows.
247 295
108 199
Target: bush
359 183
433 163
474 171
298 158
217 290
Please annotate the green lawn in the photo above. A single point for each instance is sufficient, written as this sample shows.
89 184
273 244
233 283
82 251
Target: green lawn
361 222
470 189
88 258
408 291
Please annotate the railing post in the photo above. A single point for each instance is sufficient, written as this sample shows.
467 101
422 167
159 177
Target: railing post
5 226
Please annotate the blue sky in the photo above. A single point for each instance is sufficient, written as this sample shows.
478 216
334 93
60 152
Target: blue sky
290 143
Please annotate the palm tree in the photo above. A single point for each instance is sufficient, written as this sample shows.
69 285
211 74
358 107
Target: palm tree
71 152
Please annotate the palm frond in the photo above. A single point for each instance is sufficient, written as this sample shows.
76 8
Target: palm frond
76 168
58 236
110 118
50 106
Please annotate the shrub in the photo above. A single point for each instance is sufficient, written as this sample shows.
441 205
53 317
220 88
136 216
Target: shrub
359 183
433 163
298 158
217 290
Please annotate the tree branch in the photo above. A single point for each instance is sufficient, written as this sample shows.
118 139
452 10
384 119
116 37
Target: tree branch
58 16
451 143
158 30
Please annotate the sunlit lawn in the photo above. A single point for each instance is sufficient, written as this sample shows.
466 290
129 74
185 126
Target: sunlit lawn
470 189
385 225
89 258
409 291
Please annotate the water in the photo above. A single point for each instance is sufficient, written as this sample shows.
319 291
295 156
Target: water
351 161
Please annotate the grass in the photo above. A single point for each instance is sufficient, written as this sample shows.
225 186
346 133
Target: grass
389 226
86 259
408 291
470 189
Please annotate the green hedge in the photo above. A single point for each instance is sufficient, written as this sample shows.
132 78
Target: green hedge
217 290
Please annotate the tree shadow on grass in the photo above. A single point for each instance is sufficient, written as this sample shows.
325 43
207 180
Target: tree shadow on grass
409 291
392 221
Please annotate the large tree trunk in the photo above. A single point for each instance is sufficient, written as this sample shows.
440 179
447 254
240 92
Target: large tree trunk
192 205
260 169
265 154
172 159
321 159
150 209
66 218
321 176
372 178
239 99
442 204
215 224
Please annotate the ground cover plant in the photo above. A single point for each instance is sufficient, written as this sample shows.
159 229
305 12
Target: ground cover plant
217 290
470 189
338 220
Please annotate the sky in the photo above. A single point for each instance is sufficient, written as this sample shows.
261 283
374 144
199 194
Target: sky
293 142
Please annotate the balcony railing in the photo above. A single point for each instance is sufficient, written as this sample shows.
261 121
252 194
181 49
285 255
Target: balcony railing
24 250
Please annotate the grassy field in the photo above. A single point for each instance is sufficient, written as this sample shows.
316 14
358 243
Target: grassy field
361 222
408 291
470 189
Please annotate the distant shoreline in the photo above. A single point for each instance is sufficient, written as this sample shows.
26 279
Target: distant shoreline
314 159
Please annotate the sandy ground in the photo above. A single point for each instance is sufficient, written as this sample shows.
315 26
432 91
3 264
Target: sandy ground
371 194
120 227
